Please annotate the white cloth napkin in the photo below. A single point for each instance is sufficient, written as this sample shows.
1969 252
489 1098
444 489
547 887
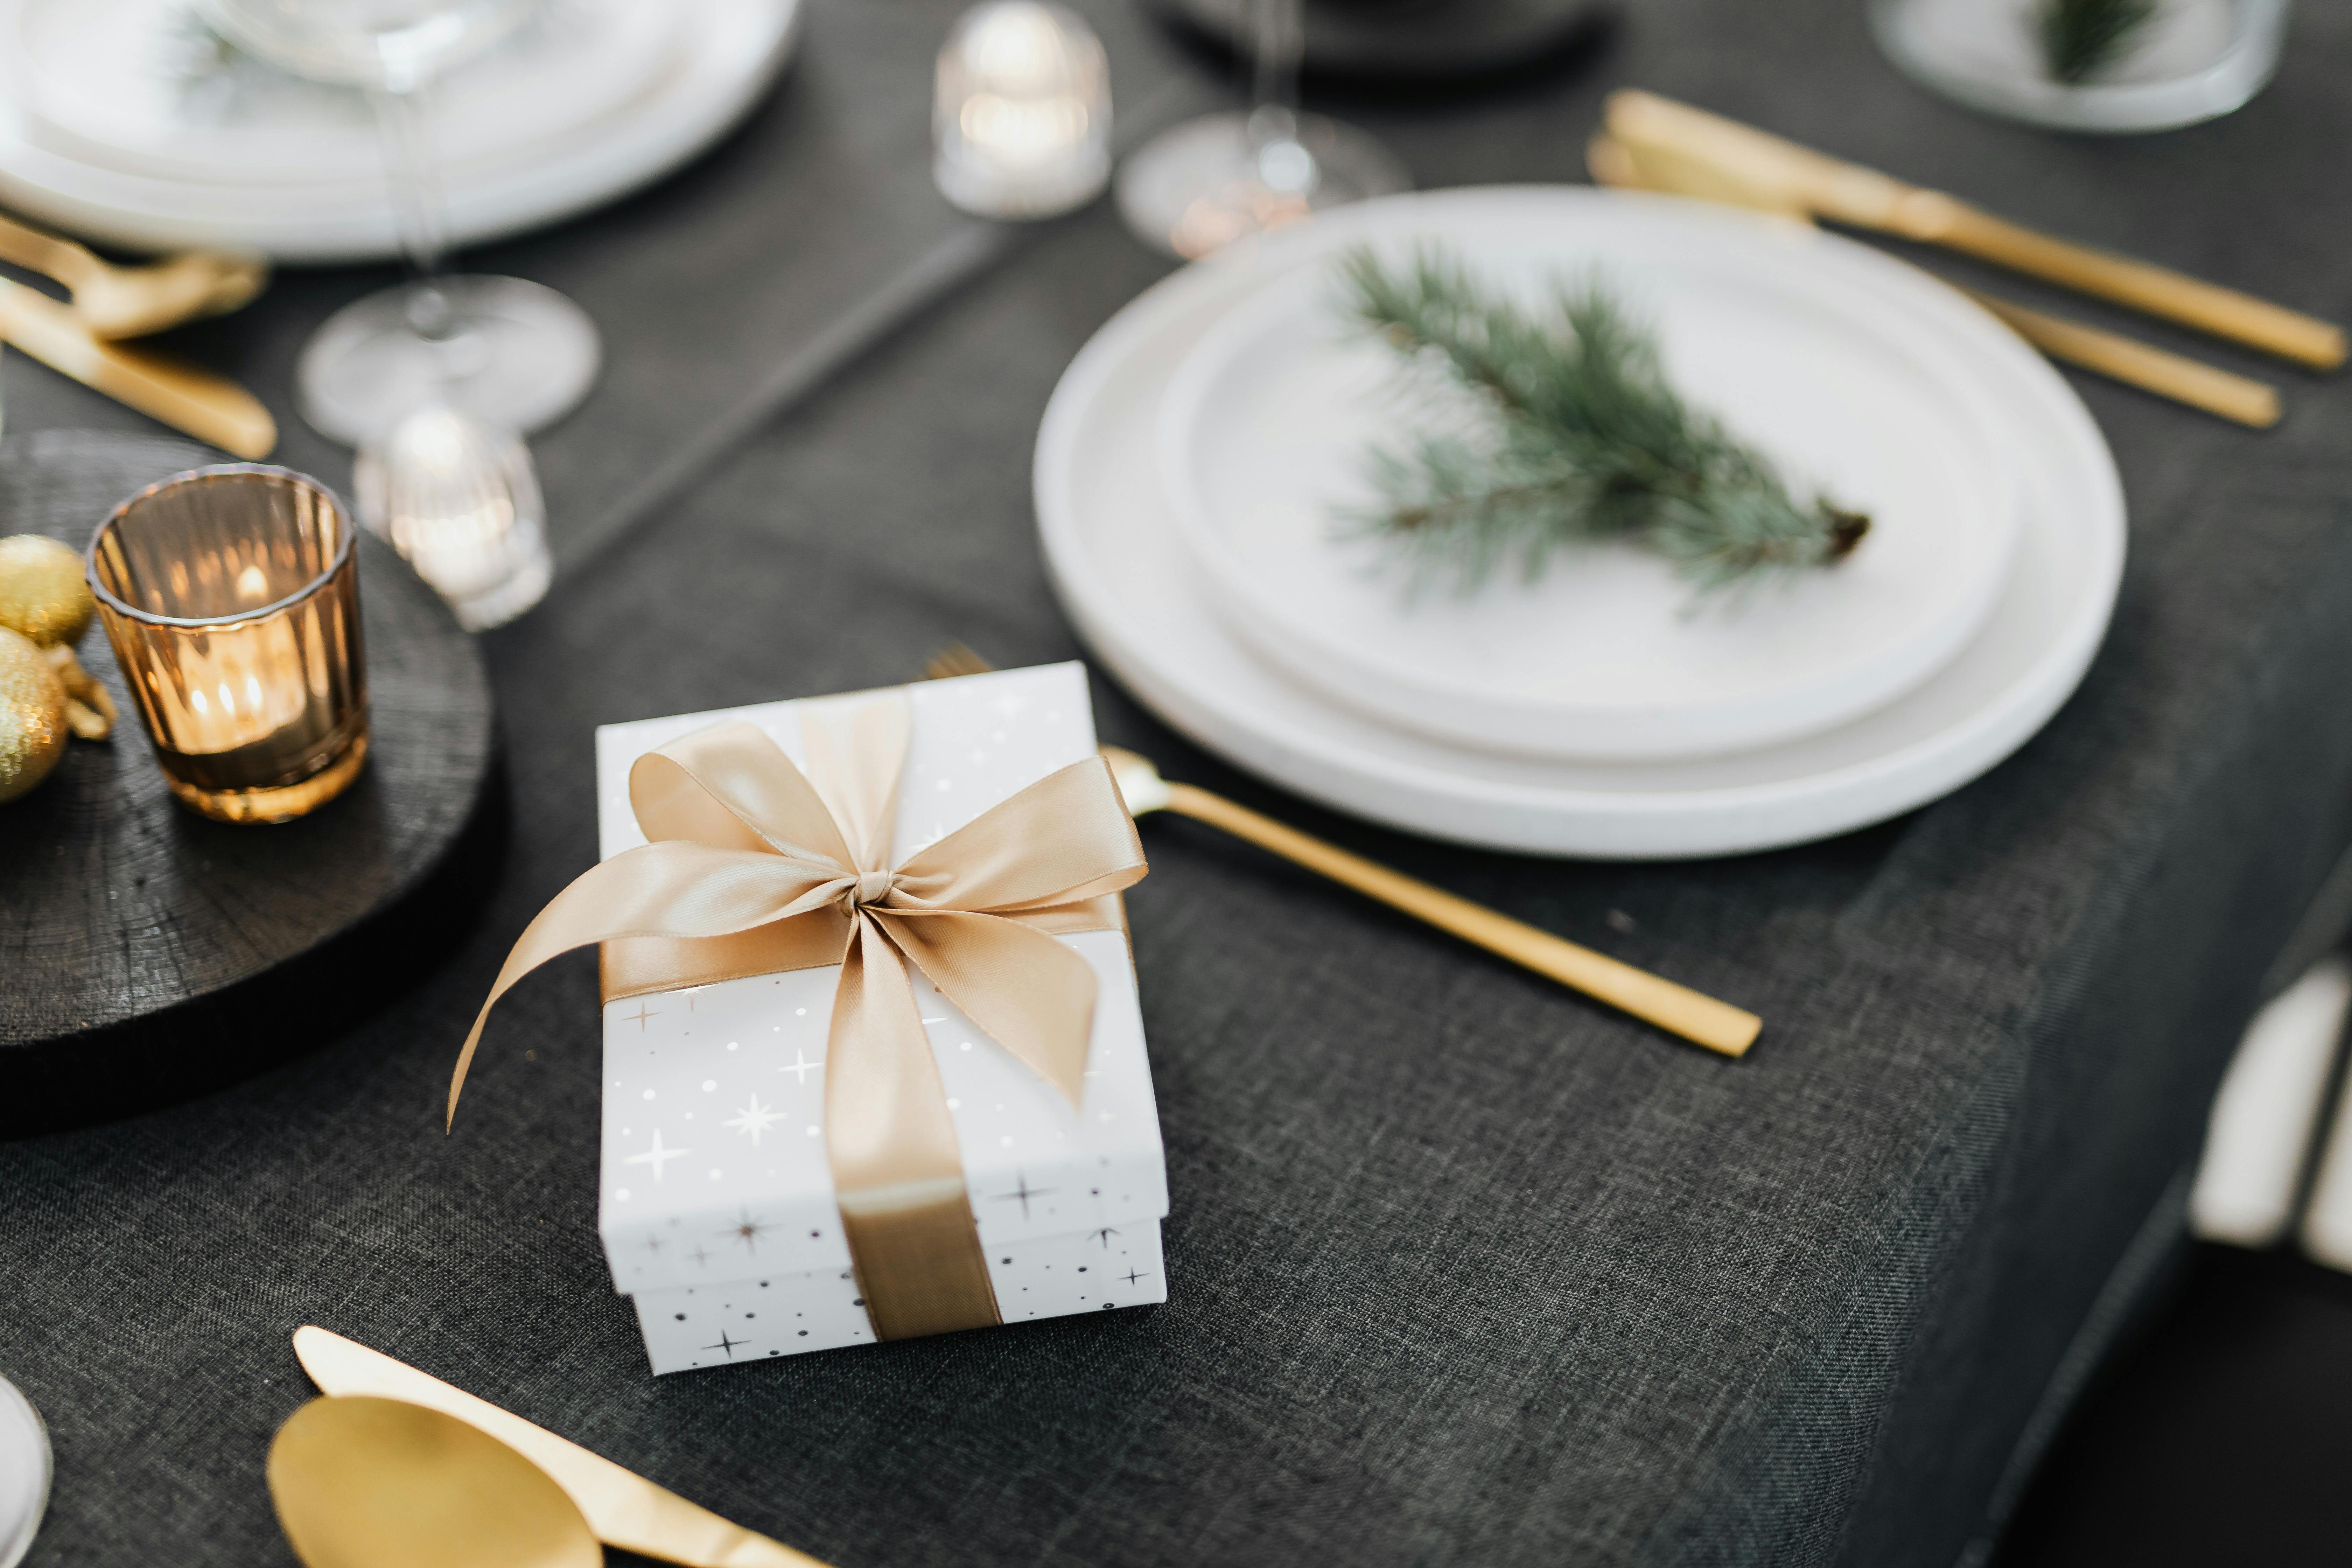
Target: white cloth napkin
2258 1143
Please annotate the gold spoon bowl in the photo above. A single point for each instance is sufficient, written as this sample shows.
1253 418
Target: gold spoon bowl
361 1482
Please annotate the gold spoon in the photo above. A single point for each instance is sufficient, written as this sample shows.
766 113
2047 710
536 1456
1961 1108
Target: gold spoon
1677 1009
132 302
361 1482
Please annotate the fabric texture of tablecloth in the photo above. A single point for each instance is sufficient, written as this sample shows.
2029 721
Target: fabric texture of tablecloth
1463 1269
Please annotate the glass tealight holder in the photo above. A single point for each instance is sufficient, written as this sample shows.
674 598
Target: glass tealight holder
2183 61
461 502
231 597
1021 118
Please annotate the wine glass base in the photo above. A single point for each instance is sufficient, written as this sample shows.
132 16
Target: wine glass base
523 358
1200 185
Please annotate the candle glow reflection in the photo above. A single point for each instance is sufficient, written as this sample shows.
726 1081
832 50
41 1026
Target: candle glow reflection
1022 117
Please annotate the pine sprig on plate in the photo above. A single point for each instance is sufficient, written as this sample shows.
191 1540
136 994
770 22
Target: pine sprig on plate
2080 37
1561 428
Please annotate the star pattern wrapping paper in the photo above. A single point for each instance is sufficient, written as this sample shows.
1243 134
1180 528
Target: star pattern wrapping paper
716 1201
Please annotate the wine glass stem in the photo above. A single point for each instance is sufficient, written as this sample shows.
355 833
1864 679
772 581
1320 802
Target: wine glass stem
1279 27
419 215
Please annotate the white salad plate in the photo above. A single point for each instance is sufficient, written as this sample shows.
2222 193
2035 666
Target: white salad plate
130 121
1608 655
1120 565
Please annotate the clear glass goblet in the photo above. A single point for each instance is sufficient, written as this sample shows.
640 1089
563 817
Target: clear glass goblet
517 355
1202 185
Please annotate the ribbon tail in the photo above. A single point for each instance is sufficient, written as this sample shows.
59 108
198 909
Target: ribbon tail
1029 993
897 1171
673 888
526 956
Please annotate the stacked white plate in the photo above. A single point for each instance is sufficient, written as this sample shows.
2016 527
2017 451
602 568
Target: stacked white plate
129 122
1198 461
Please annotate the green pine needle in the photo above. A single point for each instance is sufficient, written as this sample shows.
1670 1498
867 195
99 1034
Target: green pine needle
1553 432
2082 37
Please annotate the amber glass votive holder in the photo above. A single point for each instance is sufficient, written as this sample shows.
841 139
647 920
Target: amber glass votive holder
232 599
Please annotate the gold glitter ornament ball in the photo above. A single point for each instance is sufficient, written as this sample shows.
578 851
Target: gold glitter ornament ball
32 715
43 593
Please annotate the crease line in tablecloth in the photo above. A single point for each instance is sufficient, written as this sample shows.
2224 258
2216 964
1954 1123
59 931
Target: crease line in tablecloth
970 251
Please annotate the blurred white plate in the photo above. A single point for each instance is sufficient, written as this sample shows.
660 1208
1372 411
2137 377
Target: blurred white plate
128 121
1121 572
24 1465
1608 655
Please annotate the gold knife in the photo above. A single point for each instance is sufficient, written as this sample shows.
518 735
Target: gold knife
207 406
2218 392
2151 369
623 1508
1850 193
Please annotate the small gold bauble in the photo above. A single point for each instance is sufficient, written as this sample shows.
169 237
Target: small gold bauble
32 715
43 593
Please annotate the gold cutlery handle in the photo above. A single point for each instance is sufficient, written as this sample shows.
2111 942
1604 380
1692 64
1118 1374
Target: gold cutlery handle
45 253
208 406
1677 1009
1938 220
2136 363
1772 171
2112 354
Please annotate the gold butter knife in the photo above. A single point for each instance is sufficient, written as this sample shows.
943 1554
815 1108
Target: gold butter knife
623 1508
2151 369
1849 193
2134 364
207 406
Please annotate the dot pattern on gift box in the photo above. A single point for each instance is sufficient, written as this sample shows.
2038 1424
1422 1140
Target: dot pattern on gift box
1051 1277
1025 1181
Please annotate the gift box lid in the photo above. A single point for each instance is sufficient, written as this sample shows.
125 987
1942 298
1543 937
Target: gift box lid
713 1161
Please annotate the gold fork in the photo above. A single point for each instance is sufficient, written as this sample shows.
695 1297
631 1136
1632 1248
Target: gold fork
132 302
1677 1009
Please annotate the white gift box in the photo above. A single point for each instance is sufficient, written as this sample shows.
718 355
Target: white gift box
717 1207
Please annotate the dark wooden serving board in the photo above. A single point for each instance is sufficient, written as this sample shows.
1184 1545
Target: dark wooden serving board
148 953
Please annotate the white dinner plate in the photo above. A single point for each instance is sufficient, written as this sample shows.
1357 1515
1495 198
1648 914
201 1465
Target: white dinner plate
1121 572
129 122
1608 655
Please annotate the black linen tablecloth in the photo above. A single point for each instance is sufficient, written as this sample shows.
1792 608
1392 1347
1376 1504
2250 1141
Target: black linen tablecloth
1463 1268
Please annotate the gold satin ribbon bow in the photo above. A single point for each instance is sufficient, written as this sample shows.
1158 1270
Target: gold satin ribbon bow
754 869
